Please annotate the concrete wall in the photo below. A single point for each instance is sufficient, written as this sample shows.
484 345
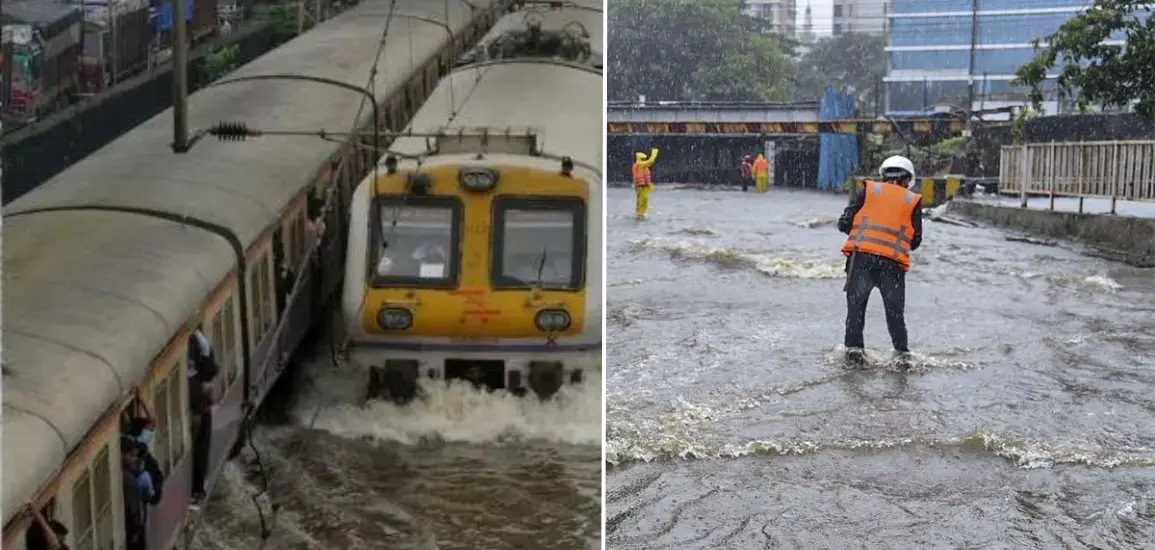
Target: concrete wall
1125 238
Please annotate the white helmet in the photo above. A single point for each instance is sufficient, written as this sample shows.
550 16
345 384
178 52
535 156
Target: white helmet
898 162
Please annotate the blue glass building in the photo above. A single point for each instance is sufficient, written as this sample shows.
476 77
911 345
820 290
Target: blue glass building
930 49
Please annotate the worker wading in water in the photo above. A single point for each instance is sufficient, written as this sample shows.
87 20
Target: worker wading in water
884 224
643 181
761 174
747 172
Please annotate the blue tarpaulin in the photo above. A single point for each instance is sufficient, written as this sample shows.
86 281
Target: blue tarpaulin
163 19
837 153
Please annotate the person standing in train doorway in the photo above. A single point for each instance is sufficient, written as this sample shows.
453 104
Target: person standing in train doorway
136 490
883 224
643 181
761 174
202 369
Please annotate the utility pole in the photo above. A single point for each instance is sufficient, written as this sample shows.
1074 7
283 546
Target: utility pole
180 142
971 65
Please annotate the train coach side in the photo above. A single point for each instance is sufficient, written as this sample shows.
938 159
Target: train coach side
469 315
110 265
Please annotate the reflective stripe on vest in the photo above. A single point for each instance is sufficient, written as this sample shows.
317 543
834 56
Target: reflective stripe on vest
897 240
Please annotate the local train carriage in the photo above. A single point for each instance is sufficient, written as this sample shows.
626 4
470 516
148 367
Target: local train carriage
477 253
110 266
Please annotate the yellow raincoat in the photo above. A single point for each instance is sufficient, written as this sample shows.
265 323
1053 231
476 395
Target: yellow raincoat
643 181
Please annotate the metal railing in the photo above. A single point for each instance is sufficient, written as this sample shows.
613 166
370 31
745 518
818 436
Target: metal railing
1116 170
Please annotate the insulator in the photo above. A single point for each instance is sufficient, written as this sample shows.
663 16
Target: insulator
231 131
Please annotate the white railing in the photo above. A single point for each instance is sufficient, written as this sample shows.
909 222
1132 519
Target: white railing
1119 170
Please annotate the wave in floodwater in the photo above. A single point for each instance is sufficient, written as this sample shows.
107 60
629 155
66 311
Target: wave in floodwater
730 258
627 444
462 468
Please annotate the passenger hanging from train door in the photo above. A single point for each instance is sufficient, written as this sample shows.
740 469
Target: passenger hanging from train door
202 369
137 488
747 172
643 181
45 533
761 174
138 423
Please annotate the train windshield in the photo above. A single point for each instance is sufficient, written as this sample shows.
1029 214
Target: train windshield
539 243
420 247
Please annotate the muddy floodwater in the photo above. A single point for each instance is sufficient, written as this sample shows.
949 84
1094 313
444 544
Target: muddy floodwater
1027 421
463 470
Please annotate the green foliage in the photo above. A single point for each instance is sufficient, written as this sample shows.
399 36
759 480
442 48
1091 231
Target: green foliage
679 49
854 59
1094 72
219 63
281 17
1019 124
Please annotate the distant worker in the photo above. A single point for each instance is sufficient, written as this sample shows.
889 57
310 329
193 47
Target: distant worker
884 224
761 174
643 181
747 172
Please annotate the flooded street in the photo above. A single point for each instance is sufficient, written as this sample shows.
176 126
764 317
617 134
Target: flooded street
1026 422
462 470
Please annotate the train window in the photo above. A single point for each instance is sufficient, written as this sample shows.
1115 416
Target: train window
82 525
538 242
227 349
257 299
175 415
269 317
160 436
303 245
423 247
102 500
216 335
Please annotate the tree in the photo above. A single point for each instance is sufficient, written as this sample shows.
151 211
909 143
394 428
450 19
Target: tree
1094 72
853 59
687 49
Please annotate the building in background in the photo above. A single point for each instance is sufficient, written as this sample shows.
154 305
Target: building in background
862 16
931 43
779 14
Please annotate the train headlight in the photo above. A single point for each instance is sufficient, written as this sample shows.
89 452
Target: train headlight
551 320
395 318
418 184
478 179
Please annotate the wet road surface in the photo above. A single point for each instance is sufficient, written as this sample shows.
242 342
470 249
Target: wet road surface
1028 420
463 470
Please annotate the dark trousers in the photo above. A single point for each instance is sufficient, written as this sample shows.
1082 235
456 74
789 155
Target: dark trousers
136 538
868 272
202 446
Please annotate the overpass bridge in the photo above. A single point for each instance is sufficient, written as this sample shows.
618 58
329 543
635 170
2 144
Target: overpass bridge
757 118
703 142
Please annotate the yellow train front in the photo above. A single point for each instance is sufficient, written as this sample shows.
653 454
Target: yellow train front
476 253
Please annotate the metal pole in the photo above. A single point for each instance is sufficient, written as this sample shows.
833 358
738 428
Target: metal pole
971 65
179 79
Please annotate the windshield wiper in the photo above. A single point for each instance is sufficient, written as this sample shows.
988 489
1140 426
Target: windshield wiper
541 266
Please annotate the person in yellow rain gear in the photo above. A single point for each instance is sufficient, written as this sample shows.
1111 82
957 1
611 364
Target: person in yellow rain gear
643 181
761 174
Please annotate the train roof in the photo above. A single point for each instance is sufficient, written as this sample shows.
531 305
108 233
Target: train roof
243 185
590 18
557 100
91 297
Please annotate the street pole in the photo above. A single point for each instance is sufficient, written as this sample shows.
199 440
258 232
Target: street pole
179 79
971 66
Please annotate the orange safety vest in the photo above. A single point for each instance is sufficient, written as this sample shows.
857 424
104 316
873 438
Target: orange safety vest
641 176
761 167
882 226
